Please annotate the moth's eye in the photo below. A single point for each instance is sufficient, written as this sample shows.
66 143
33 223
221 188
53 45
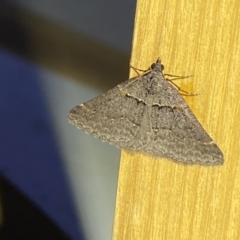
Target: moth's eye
162 67
153 65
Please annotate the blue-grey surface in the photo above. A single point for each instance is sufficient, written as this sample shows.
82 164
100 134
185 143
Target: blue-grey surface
70 175
108 21
29 155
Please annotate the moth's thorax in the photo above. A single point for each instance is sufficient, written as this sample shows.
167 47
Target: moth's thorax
153 82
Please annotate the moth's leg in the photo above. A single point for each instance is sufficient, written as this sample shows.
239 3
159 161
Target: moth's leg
183 91
176 77
137 70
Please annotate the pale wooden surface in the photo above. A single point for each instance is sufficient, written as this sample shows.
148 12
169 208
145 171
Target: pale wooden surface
159 199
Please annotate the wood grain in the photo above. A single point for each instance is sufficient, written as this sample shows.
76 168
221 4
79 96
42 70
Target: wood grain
157 198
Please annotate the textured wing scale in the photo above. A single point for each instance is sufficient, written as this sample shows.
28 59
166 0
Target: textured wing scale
147 114
111 117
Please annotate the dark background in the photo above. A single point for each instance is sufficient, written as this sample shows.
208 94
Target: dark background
57 182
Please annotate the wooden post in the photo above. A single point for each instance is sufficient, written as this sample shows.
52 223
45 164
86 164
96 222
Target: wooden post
160 199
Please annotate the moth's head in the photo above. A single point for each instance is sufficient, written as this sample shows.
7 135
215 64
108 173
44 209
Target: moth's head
157 67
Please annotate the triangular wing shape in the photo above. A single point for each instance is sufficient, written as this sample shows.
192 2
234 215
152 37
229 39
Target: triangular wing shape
112 117
148 114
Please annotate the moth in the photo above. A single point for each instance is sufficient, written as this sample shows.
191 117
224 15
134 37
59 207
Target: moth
147 114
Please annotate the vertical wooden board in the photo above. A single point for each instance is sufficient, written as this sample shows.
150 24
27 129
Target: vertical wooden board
160 199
